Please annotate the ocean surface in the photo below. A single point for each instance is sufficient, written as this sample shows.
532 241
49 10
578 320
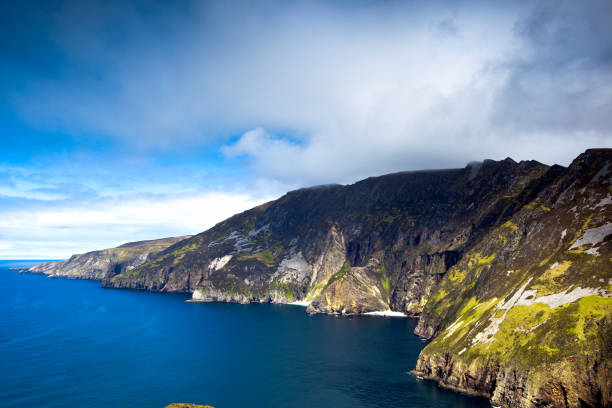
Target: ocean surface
69 343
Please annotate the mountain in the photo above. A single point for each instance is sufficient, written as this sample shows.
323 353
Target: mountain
107 262
507 265
525 316
382 243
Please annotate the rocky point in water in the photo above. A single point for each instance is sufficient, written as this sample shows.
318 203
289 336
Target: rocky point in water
507 265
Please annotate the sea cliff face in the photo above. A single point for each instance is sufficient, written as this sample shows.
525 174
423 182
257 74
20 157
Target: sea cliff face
508 266
382 243
107 262
525 317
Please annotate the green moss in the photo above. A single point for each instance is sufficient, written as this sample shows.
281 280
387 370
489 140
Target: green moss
439 295
469 316
529 336
486 260
509 224
477 259
342 273
382 269
472 302
385 283
516 329
548 282
315 290
267 256
504 230
248 222
535 205
588 310
286 288
457 275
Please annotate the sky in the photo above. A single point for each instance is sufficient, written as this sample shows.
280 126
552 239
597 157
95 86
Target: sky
130 120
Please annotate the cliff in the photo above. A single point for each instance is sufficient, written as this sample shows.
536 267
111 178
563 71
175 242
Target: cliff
107 262
525 317
508 266
382 243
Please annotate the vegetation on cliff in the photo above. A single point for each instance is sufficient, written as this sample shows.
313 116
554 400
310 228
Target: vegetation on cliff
526 316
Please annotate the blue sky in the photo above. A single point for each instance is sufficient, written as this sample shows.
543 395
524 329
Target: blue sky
133 120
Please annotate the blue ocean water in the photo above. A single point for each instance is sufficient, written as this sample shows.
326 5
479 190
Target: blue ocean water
68 343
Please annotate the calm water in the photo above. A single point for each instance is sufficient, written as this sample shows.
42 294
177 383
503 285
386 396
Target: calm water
68 343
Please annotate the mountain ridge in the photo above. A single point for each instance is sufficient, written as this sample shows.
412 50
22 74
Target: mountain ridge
97 265
502 261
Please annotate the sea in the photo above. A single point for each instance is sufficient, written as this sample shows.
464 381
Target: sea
71 343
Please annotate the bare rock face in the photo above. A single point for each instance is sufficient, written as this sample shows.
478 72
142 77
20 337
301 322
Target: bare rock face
354 290
208 293
107 262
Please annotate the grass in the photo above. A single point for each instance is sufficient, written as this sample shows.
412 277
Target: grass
267 256
285 288
385 283
535 205
342 273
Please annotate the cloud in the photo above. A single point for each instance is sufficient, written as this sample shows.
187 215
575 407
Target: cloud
446 28
366 89
285 65
561 82
49 232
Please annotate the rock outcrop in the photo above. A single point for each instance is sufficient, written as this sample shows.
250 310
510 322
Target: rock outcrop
107 262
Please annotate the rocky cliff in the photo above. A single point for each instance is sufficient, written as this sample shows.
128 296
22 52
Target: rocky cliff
107 262
382 243
508 266
525 317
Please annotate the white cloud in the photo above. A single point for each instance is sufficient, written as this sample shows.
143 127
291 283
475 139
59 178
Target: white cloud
59 232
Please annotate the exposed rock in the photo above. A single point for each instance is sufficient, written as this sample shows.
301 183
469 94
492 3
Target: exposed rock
206 292
354 290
